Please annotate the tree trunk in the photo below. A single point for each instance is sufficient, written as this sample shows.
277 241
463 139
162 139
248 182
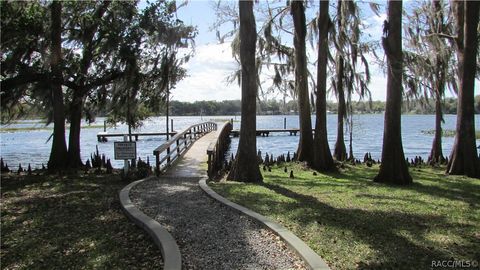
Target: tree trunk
76 107
350 129
58 154
340 152
436 155
79 95
305 150
323 160
245 167
464 159
130 132
129 117
393 169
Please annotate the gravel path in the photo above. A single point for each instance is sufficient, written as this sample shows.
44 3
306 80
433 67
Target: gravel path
209 234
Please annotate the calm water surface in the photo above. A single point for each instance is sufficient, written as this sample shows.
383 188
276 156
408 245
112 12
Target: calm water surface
33 147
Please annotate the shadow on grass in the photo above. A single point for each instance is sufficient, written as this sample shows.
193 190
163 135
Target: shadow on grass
393 235
70 223
460 189
12 183
380 198
433 183
315 183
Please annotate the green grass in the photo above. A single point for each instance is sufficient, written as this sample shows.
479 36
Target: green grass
448 133
70 223
352 222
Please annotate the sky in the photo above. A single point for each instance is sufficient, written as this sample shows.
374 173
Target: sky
213 62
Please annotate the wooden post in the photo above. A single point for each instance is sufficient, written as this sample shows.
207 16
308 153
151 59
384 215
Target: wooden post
166 119
130 132
125 162
284 123
171 125
209 163
104 126
157 158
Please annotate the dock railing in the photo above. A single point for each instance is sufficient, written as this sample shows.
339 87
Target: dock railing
217 149
168 152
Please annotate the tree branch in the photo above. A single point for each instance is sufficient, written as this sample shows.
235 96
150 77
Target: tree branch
105 79
449 37
22 79
272 19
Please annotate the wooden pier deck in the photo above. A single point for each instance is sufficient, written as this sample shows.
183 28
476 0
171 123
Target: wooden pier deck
102 136
266 132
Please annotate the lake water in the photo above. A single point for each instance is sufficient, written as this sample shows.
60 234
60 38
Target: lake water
32 146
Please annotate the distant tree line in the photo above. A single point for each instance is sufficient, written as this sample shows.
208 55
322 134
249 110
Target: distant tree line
272 107
277 107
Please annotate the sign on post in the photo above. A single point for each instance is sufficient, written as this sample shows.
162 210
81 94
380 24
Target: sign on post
125 150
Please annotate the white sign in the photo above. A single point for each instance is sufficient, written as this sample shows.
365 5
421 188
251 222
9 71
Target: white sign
125 150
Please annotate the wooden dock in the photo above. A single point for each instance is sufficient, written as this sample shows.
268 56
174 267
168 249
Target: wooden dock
266 132
102 136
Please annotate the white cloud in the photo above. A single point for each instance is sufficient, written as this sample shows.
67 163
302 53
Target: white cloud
373 26
212 63
207 73
378 87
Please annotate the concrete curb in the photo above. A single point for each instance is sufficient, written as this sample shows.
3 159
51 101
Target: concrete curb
172 259
311 258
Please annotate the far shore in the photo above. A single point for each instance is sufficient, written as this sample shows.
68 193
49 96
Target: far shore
40 120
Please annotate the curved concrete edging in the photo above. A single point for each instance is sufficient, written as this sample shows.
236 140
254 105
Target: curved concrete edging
172 259
311 258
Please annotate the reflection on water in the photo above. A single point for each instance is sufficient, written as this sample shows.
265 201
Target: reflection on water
33 147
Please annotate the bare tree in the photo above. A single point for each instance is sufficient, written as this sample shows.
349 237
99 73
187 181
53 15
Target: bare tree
245 167
323 160
305 150
430 66
340 152
464 159
350 77
58 154
394 168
